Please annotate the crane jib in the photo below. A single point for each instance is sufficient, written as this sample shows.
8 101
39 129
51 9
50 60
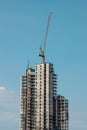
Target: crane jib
42 50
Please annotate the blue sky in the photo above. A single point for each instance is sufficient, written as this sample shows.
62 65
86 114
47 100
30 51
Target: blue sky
22 31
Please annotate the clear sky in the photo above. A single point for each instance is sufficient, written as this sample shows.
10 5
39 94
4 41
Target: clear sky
22 30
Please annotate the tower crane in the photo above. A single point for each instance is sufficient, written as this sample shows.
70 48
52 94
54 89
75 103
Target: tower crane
42 50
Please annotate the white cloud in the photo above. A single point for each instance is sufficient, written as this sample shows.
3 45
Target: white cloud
2 88
9 106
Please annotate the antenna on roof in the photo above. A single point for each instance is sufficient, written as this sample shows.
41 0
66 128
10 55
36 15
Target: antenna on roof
28 64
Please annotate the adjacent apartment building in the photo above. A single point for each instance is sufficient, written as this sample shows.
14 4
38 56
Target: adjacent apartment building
40 106
61 116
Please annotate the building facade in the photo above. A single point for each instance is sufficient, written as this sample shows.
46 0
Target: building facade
38 89
61 115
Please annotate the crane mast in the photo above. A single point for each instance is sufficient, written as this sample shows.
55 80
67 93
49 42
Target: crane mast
42 50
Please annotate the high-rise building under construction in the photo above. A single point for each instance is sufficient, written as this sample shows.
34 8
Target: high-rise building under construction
40 106
38 88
